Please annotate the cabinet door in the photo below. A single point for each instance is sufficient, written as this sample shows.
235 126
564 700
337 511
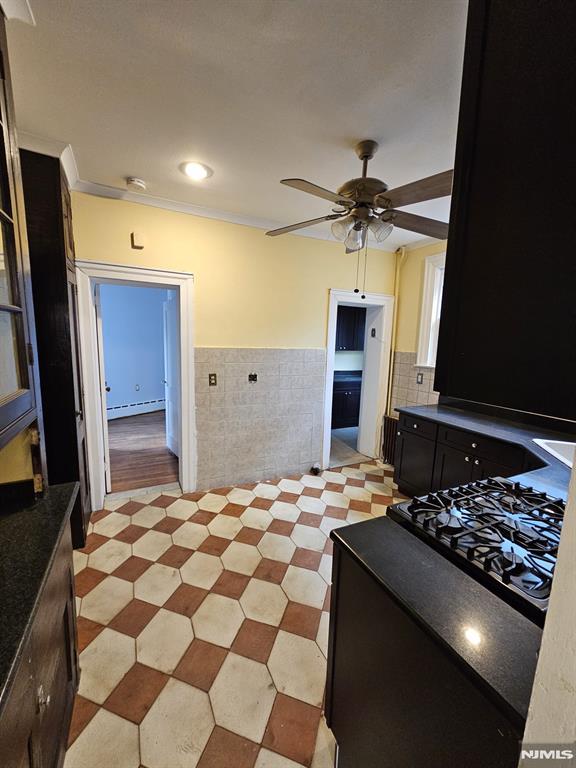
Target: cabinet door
17 742
17 401
53 643
338 408
482 468
359 328
452 467
413 463
353 407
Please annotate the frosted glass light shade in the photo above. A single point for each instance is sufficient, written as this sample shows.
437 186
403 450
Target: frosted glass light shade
354 240
341 227
380 229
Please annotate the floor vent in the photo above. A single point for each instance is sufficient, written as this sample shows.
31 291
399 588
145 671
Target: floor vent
117 408
389 431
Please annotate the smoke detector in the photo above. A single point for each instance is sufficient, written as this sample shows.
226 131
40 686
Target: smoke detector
135 184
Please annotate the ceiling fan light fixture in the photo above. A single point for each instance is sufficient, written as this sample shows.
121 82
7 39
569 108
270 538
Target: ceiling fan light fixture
354 239
341 227
380 229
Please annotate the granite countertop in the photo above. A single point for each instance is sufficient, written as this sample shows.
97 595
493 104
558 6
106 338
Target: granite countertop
553 477
445 601
348 376
28 541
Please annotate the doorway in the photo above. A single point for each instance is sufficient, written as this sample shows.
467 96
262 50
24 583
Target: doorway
139 362
357 372
140 425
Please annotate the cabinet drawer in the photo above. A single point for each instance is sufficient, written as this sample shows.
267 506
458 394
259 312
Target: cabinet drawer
419 426
483 447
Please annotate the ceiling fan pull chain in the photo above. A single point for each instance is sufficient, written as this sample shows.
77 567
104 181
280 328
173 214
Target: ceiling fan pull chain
357 290
365 264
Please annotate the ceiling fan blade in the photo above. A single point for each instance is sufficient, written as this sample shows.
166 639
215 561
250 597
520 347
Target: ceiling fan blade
314 189
439 185
303 224
420 224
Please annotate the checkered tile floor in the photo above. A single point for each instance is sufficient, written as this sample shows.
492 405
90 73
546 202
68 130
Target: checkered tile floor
203 623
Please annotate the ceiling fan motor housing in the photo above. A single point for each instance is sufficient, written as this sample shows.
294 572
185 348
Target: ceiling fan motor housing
363 190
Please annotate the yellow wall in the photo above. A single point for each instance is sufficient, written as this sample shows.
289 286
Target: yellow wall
410 301
15 460
250 290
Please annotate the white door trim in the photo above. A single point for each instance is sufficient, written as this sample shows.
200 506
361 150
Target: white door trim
90 274
379 310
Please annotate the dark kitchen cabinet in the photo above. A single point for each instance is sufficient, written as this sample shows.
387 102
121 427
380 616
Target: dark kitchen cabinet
36 711
49 223
350 329
413 462
19 401
346 403
508 316
431 456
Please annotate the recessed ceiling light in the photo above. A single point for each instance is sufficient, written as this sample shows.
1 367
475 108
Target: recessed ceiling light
196 171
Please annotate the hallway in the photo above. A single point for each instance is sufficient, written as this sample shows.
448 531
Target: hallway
139 457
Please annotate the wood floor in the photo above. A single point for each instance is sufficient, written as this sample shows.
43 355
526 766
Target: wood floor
138 454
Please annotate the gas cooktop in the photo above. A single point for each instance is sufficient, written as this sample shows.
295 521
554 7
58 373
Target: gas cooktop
502 533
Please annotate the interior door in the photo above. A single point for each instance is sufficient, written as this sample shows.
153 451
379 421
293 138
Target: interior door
172 372
102 376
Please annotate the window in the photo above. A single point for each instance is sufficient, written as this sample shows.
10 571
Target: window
431 307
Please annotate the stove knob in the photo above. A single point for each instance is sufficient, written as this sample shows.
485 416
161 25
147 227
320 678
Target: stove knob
466 458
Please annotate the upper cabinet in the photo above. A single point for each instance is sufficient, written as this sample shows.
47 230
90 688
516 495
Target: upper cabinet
508 327
350 328
17 398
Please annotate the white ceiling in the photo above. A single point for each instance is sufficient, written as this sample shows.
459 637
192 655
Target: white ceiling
259 90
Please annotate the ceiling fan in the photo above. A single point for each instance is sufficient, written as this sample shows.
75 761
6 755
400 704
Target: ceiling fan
367 205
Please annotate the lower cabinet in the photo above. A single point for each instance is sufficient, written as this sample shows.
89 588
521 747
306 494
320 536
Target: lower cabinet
431 457
35 720
413 463
346 404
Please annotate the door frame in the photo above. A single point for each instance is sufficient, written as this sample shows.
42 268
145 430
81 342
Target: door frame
89 275
376 373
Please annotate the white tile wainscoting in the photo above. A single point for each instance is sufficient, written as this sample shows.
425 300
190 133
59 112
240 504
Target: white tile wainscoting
405 387
270 428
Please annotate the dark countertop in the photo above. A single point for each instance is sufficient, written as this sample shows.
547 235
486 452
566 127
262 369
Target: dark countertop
445 601
348 376
553 477
28 541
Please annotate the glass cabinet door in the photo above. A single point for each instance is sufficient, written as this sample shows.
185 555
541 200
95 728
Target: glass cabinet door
16 391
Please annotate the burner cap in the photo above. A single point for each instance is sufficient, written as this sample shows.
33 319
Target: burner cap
449 523
511 561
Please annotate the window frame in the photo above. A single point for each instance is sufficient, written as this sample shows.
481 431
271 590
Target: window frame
430 310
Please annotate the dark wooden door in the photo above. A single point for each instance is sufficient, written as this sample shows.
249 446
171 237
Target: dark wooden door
414 463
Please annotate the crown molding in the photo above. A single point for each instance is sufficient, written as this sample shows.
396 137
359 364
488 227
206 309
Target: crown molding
19 10
66 154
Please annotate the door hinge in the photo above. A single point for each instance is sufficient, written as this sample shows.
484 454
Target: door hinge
38 483
30 353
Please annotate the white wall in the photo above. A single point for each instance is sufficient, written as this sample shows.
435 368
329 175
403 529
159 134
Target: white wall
133 338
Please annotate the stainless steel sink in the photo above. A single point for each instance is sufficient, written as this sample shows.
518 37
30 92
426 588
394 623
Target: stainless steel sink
561 450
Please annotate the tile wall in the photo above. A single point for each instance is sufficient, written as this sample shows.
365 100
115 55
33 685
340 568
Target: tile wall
270 428
405 387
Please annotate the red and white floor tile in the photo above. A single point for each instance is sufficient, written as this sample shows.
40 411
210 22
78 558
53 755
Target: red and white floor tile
203 623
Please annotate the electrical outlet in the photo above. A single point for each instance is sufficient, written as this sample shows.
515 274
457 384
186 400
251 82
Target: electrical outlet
212 380
252 377
419 378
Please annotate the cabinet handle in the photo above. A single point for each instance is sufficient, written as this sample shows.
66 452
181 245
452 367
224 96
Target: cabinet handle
415 426
474 445
477 462
398 433
466 458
